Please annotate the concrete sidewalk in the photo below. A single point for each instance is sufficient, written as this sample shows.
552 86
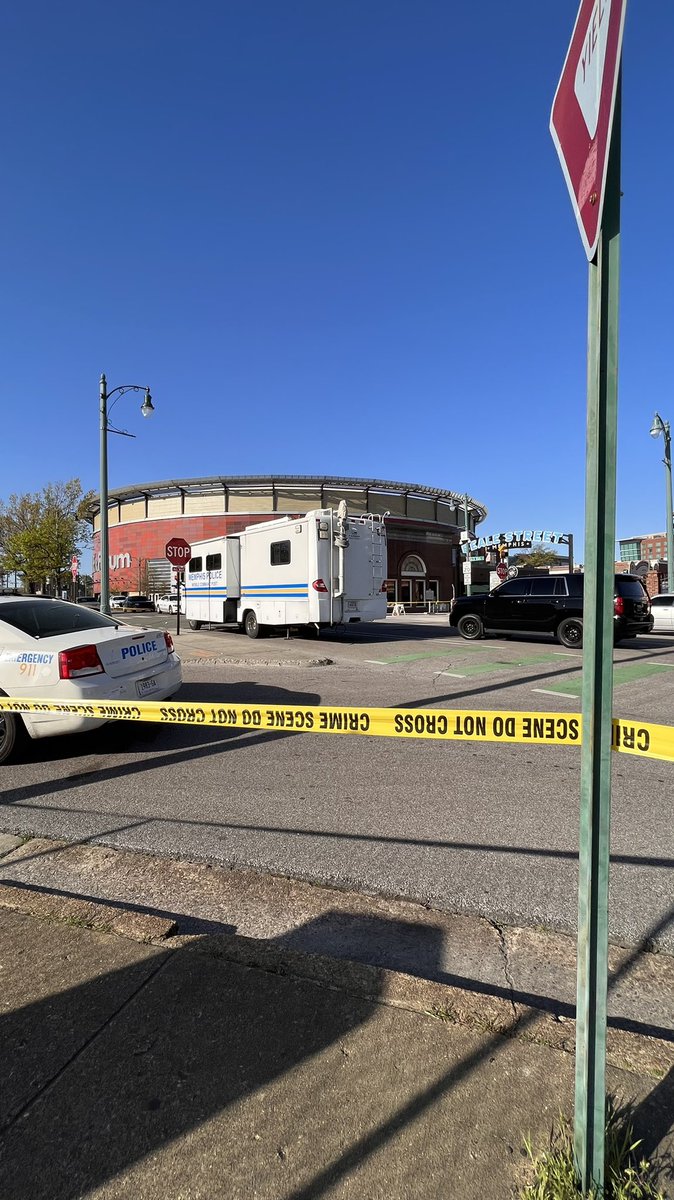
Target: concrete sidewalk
208 1066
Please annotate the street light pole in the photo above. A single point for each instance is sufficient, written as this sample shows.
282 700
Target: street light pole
105 577
469 579
662 427
147 410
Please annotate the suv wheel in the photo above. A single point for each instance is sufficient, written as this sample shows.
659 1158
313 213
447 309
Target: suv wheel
570 633
470 627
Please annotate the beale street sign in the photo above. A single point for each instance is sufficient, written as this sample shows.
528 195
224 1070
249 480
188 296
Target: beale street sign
514 539
582 110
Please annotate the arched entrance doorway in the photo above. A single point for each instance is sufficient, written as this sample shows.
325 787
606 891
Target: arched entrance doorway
415 588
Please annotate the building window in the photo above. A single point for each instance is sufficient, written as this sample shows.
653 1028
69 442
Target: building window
412 565
280 554
630 551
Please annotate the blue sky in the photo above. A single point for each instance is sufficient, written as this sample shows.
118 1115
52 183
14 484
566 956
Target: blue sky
333 238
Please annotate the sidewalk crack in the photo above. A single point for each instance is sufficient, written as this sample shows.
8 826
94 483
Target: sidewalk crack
505 955
53 1080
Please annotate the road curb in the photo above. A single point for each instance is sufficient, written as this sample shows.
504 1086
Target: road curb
479 1010
627 1051
93 914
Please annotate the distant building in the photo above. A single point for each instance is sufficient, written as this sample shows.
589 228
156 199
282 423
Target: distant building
646 548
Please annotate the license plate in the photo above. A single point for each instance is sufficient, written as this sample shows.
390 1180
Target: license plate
145 686
353 604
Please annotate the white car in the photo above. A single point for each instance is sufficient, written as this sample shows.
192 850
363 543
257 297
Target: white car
662 608
63 651
168 604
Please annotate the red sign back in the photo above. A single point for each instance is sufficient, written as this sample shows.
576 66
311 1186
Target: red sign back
582 110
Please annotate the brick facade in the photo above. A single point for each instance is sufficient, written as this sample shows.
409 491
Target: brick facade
146 539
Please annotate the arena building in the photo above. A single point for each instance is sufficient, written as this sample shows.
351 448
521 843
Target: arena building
423 525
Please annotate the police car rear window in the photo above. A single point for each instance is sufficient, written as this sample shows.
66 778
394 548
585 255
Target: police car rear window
49 618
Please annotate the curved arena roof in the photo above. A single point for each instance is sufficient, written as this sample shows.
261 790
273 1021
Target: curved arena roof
278 484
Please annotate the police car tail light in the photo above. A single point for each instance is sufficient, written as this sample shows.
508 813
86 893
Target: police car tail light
169 641
319 586
82 660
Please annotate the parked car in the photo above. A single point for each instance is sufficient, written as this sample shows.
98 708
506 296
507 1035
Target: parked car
90 601
550 604
662 607
135 604
63 651
118 601
169 604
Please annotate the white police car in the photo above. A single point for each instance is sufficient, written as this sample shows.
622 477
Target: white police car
63 651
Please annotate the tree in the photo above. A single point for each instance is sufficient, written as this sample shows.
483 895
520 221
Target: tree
41 531
537 558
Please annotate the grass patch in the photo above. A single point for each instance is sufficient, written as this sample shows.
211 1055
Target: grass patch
628 1175
443 1014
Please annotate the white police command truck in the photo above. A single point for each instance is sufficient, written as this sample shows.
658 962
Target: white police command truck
325 568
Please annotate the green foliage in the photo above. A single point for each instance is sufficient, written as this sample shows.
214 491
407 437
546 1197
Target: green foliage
536 558
628 1175
40 532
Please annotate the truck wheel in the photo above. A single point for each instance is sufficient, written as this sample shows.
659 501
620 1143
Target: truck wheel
252 625
570 633
8 733
470 627
195 624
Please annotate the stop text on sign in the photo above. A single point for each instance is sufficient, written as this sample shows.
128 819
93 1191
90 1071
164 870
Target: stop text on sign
178 551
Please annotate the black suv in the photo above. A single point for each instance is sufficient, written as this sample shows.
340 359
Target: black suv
550 604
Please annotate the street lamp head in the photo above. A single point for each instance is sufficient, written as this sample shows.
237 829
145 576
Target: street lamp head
147 408
657 427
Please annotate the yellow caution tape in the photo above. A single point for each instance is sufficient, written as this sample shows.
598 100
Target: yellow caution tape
452 725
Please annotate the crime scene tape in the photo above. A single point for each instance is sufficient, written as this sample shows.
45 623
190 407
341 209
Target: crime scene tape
452 725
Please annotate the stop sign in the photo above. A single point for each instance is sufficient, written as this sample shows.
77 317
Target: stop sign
178 551
502 571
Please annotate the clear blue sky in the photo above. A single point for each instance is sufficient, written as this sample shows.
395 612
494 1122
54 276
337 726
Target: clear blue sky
333 237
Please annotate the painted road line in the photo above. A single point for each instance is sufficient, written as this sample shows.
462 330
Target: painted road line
548 692
621 675
378 662
501 665
401 658
452 674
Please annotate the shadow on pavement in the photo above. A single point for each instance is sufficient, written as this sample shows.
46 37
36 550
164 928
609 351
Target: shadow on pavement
111 1072
125 1077
170 744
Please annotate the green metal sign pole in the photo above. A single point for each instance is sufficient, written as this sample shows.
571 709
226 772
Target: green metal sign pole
466 525
595 786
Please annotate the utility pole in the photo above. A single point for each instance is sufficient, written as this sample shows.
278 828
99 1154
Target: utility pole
468 569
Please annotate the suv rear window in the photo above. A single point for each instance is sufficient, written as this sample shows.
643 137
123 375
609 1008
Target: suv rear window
631 588
514 587
544 587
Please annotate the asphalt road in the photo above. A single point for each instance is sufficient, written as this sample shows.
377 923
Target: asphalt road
484 829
